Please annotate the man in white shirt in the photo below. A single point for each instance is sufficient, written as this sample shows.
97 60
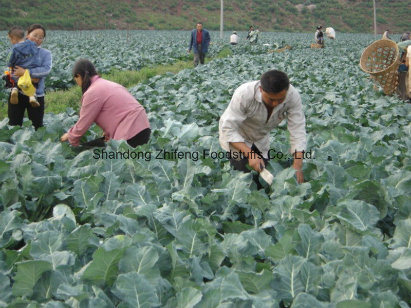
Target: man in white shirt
254 110
234 38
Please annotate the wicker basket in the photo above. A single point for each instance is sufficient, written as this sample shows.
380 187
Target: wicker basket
381 61
315 45
286 47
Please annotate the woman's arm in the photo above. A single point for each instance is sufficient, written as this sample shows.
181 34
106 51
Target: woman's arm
90 109
46 65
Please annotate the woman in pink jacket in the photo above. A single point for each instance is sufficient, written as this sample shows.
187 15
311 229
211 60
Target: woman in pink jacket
110 106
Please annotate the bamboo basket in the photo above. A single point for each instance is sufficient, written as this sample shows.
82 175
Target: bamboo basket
381 60
315 45
286 47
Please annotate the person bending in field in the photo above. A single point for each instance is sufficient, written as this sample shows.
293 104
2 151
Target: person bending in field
24 53
234 38
110 106
254 110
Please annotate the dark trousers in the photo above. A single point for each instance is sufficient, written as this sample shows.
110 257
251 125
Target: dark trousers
199 55
16 112
139 139
241 165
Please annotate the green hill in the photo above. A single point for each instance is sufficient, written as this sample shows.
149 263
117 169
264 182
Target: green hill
268 15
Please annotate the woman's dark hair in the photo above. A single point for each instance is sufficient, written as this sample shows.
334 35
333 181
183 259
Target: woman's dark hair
33 27
274 81
86 70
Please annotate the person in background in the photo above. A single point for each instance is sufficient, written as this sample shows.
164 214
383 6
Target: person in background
386 35
403 69
319 36
37 34
405 36
407 63
254 110
253 36
24 54
234 38
110 106
199 42
249 31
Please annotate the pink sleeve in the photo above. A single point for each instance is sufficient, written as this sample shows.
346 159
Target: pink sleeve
90 108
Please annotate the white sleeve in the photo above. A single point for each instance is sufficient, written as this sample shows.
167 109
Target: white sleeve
296 124
232 118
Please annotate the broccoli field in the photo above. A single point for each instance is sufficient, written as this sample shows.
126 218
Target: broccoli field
171 224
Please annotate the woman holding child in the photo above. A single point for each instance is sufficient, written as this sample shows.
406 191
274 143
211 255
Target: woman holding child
110 106
16 107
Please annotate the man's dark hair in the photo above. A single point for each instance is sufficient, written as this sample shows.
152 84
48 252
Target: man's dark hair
33 27
86 70
274 81
199 23
16 32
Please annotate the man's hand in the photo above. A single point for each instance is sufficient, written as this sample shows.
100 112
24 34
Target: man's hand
256 162
298 166
64 138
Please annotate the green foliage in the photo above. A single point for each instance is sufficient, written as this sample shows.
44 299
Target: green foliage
355 16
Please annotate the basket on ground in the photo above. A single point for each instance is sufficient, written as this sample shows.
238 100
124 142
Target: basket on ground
381 61
315 45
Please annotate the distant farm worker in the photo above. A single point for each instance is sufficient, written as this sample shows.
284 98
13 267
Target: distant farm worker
407 63
234 38
385 35
403 69
110 106
253 36
405 36
254 110
35 33
319 35
24 53
200 39
249 31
